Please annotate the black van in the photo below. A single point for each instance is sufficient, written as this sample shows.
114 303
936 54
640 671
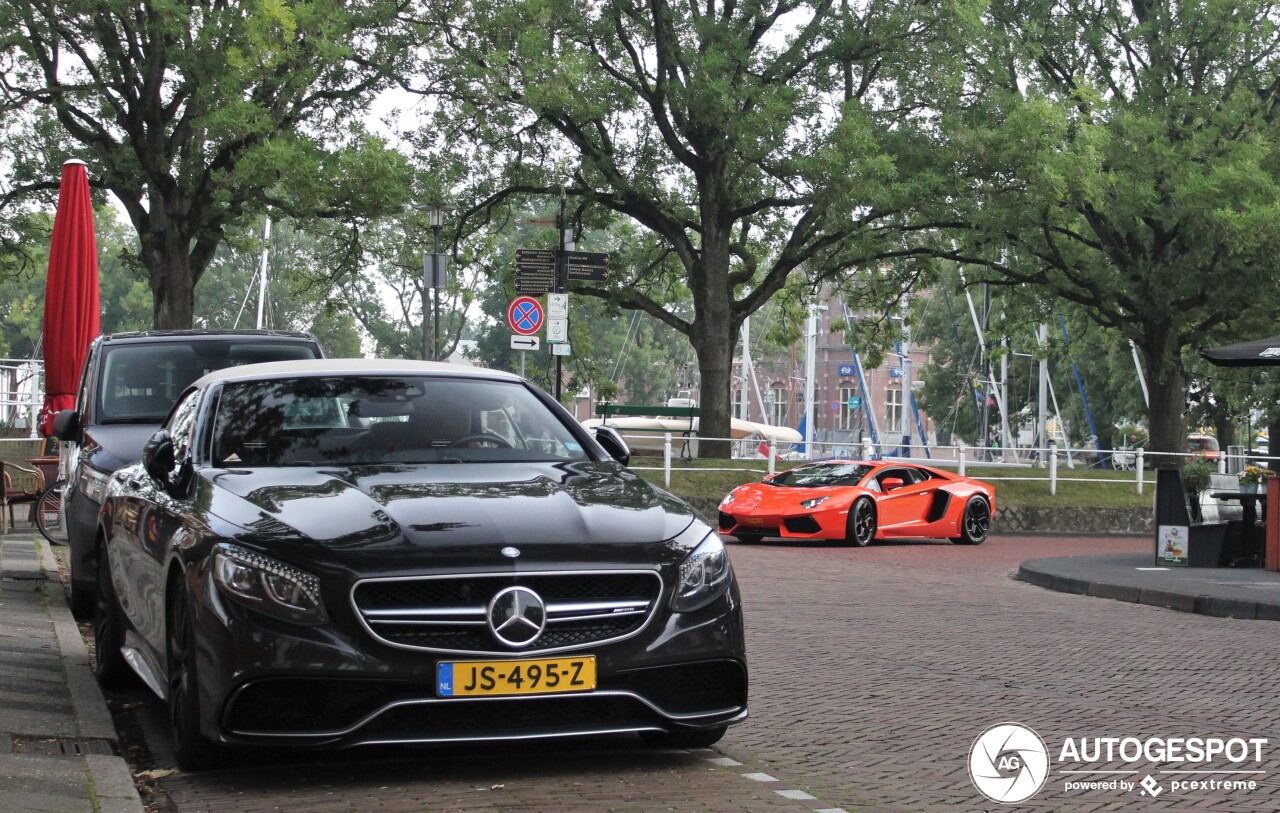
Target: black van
129 383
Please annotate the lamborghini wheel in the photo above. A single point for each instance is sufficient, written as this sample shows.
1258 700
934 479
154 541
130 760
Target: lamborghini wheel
976 523
861 525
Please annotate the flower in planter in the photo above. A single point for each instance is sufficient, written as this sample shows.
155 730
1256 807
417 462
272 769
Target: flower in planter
1253 475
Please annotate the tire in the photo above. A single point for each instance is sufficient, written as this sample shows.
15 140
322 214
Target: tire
81 600
975 524
109 665
192 750
683 739
860 527
749 538
50 520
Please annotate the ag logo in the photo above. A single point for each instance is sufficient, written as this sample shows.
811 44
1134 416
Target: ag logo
1008 763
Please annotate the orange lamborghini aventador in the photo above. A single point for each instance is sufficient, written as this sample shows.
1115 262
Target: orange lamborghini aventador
859 502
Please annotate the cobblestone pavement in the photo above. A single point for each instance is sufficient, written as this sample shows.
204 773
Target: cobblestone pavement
873 670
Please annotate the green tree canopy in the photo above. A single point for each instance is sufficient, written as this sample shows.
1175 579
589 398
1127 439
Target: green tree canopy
200 116
1122 155
745 142
122 286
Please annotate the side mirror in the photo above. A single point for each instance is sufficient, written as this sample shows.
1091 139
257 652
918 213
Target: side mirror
613 443
890 483
157 457
66 426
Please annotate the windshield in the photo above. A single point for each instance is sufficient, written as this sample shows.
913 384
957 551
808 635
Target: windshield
140 382
351 420
823 474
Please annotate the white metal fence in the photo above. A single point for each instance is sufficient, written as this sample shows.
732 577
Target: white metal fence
1129 467
21 393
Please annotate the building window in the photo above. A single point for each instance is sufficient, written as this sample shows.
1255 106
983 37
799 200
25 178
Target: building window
847 418
740 403
893 410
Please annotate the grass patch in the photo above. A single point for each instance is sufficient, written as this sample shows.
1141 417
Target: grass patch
712 479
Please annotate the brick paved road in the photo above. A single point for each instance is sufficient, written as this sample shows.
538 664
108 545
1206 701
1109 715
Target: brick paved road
884 664
873 671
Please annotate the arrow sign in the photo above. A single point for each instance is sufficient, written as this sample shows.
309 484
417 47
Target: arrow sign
525 342
536 258
588 265
525 315
557 330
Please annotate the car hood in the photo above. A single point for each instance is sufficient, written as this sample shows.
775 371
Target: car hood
388 518
756 495
115 446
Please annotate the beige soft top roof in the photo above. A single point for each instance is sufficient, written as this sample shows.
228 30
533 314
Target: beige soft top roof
331 367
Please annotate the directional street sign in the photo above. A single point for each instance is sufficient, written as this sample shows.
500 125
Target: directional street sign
535 285
536 258
587 265
524 315
557 330
557 306
525 342
535 270
561 350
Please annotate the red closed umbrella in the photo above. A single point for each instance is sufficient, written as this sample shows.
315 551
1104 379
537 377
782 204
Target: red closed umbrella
71 307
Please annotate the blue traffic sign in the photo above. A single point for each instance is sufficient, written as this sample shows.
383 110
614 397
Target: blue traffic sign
525 315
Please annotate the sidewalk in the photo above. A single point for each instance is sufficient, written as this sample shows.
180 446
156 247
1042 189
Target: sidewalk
1224 592
57 740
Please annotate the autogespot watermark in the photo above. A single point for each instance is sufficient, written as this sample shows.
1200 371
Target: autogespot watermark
1010 763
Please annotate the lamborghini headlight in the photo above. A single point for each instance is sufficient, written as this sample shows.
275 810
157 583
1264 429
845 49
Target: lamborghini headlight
815 502
268 585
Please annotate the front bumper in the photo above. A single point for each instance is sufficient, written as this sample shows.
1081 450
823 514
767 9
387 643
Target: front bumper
269 682
829 524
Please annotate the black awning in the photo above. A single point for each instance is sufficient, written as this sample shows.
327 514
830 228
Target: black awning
1257 353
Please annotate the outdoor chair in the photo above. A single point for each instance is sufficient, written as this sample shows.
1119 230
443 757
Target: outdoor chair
19 486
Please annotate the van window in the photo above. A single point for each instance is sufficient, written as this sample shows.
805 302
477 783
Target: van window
138 383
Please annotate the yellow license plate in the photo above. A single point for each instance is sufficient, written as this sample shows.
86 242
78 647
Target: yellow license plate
492 678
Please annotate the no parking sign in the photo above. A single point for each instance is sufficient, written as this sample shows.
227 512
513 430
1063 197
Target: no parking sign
525 315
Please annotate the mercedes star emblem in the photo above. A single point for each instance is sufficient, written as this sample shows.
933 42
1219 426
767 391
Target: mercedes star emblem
517 616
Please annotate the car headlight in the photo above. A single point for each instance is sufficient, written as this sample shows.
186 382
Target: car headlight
813 503
268 586
93 483
728 499
704 576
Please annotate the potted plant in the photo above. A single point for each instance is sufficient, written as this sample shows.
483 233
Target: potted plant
1251 476
1195 478
1195 474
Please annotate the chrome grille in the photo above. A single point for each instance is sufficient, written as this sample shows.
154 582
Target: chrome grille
447 613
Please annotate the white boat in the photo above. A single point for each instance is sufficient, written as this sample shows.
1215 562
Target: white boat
647 435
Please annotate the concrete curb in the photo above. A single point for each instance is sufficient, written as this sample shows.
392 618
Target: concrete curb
1044 573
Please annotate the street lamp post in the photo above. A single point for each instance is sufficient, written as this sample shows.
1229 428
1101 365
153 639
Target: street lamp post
435 212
